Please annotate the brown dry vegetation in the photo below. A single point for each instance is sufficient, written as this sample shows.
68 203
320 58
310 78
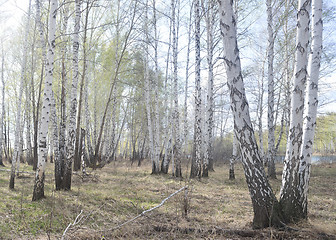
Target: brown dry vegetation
217 207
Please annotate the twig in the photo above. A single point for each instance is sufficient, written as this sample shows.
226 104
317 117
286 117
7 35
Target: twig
149 210
77 220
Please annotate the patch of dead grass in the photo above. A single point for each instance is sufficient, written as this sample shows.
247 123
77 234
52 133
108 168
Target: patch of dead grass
218 208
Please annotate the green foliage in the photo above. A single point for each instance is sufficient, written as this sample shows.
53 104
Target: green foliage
325 134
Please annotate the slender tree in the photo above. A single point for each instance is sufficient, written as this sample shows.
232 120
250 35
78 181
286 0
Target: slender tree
60 162
71 138
270 77
3 105
47 96
197 158
209 122
290 194
16 159
177 171
234 157
265 205
311 102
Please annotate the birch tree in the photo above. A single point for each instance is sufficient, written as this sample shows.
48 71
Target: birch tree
60 162
16 157
176 115
43 150
78 147
3 105
289 193
156 136
70 151
270 77
210 22
197 158
311 102
265 205
234 158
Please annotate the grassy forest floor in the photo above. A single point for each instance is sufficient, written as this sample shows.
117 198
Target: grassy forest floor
217 207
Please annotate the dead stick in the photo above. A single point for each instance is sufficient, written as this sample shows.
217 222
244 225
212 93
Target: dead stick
72 224
149 210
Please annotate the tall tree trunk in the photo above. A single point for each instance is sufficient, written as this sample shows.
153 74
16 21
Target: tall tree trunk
177 172
167 135
265 205
113 83
43 150
70 151
311 103
3 106
208 157
270 77
197 158
185 116
148 87
234 157
16 157
289 193
60 161
156 94
78 148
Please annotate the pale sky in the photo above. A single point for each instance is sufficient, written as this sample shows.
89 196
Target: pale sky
11 12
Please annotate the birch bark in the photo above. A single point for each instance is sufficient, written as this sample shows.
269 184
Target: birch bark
70 149
265 205
16 157
234 156
78 148
289 193
176 116
311 103
60 161
197 158
210 22
43 132
167 132
3 106
156 94
270 77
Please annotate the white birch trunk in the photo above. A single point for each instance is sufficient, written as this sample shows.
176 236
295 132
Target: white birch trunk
289 194
54 135
265 205
43 132
60 161
234 156
88 119
210 22
270 101
3 106
185 120
260 115
70 149
176 121
156 95
167 141
311 103
16 157
147 93
197 158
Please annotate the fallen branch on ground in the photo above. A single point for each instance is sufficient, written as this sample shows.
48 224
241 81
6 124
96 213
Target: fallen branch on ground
77 220
149 210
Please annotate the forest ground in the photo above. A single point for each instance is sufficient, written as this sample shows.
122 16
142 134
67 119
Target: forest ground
217 208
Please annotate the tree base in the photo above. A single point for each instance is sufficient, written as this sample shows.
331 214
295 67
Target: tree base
231 174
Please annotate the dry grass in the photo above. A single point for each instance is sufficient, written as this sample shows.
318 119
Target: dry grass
217 207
